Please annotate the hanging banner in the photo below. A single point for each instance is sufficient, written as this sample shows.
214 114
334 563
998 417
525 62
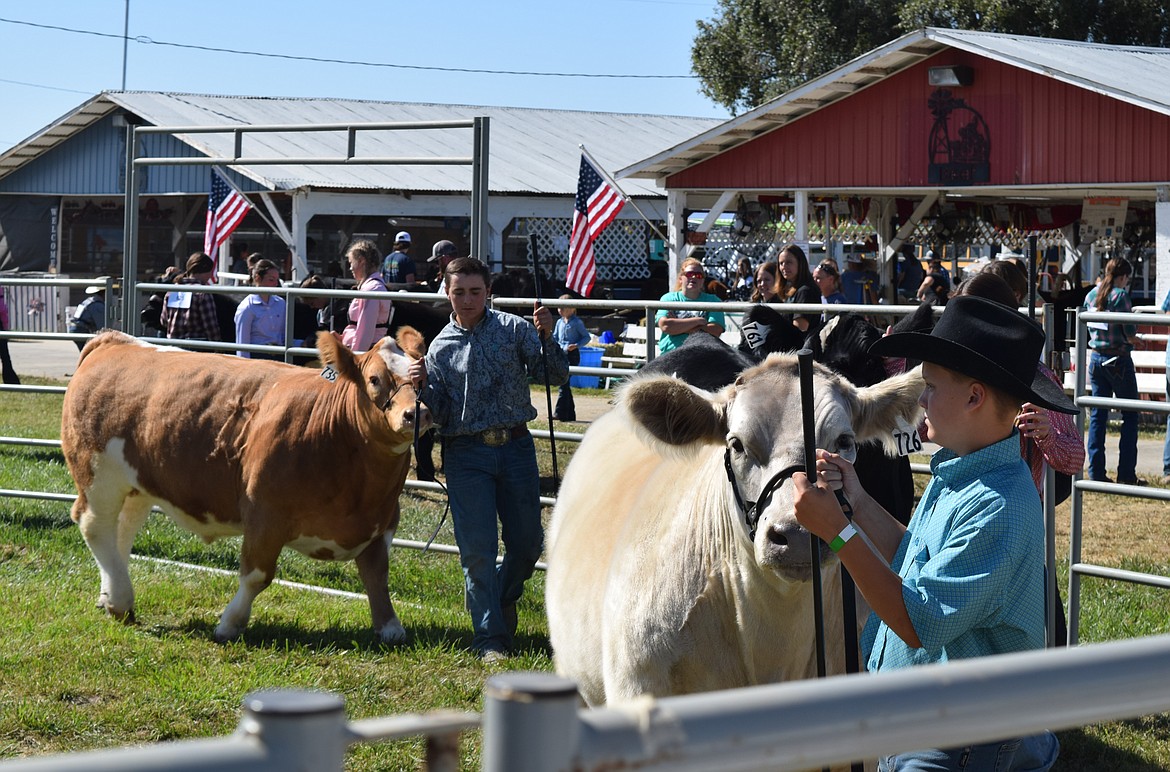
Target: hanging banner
1102 218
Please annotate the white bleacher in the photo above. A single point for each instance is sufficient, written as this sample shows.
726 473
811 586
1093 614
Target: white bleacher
633 355
1151 374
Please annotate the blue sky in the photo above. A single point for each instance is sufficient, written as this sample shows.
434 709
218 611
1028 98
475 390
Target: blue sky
45 73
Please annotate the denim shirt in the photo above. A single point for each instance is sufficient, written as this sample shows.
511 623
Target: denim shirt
571 331
478 379
971 563
259 322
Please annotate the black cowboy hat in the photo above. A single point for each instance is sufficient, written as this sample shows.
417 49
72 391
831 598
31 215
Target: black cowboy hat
987 341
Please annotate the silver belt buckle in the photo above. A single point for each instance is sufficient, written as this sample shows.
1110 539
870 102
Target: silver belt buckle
494 438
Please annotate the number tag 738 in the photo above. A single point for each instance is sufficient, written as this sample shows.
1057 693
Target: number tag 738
906 438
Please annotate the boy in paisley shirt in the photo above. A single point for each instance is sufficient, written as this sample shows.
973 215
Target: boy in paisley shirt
475 380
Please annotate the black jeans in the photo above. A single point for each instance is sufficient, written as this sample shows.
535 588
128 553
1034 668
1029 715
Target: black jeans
10 376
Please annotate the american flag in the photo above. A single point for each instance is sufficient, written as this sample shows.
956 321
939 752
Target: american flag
598 202
225 210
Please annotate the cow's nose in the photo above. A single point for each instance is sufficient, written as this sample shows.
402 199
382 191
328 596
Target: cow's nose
423 415
790 540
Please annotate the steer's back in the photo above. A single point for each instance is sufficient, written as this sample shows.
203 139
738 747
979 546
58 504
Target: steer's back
164 422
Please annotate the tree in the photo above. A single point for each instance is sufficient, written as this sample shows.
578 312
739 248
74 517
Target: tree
755 50
758 49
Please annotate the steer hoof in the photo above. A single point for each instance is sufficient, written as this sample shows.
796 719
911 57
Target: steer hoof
225 633
392 633
122 615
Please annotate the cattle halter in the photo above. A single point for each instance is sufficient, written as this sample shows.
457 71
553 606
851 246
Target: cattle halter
753 509
389 399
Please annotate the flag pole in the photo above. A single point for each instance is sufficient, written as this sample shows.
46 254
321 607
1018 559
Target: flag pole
552 440
601 170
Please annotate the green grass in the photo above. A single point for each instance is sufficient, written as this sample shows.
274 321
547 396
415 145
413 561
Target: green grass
72 679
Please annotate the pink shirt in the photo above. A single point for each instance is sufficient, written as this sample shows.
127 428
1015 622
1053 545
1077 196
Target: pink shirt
1062 449
370 317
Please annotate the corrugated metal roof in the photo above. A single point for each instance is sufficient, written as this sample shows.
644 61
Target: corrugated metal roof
1129 73
531 151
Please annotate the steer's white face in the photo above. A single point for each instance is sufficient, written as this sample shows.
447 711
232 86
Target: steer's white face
387 382
757 422
765 436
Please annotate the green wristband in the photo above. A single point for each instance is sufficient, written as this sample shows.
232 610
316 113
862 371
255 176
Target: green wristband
839 541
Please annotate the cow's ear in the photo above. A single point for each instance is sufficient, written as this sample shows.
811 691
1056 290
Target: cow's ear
674 413
411 342
877 408
335 354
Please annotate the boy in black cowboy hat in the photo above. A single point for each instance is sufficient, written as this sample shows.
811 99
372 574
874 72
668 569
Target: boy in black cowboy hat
965 578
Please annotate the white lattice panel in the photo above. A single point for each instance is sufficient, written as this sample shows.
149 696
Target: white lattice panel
622 250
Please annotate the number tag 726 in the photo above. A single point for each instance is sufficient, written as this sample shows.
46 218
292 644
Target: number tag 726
906 438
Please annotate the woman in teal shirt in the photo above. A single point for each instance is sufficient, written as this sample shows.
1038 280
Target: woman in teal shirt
677 325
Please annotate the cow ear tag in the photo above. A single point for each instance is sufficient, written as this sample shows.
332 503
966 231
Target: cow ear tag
906 437
329 374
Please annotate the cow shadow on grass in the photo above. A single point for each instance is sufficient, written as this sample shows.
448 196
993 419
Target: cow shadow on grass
442 636
38 455
282 636
278 635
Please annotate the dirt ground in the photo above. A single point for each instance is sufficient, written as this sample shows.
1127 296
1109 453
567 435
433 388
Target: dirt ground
590 406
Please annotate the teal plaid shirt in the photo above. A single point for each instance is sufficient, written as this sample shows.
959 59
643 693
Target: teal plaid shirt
971 562
1110 337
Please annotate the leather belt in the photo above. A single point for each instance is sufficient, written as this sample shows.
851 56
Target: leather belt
502 435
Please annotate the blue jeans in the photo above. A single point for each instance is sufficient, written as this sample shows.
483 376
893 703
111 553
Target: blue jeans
565 409
1115 380
1166 447
1029 754
482 481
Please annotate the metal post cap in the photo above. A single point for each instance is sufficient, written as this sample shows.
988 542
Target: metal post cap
529 687
292 702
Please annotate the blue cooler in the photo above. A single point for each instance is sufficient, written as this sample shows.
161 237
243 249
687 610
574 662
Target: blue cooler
590 357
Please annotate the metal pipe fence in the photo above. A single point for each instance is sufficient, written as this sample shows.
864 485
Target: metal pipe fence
532 722
477 162
1118 694
280 730
288 351
1077 567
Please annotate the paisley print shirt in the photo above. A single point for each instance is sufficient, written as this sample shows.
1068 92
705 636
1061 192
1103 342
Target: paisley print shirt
478 379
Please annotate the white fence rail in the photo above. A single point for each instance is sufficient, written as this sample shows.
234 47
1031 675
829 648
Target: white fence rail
280 731
532 722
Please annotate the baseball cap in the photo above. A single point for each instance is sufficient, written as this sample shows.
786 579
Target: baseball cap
403 236
442 248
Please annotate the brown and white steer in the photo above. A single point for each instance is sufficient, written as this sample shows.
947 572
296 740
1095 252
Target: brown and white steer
654 584
287 456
